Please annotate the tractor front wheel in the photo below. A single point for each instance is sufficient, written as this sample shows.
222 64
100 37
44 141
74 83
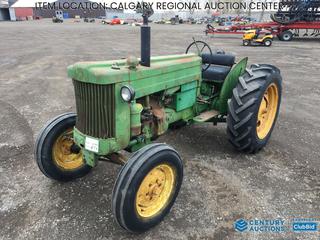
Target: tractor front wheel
56 154
254 107
147 187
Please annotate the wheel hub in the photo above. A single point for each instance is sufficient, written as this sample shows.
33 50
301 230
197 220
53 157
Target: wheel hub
267 111
63 156
155 190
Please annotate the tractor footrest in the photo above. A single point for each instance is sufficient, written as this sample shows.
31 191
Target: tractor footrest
206 116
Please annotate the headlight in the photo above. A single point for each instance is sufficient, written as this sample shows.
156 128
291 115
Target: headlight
127 93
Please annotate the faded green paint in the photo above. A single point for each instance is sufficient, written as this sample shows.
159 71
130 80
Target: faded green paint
221 104
140 142
139 145
166 70
135 117
90 157
186 97
206 89
171 91
177 75
122 119
106 146
189 86
185 115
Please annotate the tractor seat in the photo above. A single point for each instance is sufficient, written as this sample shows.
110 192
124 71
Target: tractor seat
219 59
216 73
221 66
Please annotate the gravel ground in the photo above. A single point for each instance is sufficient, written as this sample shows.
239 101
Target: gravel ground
220 185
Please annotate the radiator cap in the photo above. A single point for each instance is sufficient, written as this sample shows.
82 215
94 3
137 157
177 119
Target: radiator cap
132 62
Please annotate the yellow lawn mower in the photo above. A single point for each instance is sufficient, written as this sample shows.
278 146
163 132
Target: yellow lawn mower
257 37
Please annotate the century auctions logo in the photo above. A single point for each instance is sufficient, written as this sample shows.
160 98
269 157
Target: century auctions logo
260 225
241 225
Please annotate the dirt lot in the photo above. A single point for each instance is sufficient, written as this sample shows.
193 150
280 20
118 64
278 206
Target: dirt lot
220 185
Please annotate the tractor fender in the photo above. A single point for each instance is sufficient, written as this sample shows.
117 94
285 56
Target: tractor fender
229 84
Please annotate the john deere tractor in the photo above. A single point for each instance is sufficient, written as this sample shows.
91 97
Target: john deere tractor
123 105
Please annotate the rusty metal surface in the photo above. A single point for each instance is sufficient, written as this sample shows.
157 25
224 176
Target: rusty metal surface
206 116
159 121
118 158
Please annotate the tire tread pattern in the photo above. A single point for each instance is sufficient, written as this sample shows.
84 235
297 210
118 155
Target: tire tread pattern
125 176
242 106
39 153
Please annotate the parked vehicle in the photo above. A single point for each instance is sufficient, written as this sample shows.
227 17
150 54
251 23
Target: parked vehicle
257 37
125 104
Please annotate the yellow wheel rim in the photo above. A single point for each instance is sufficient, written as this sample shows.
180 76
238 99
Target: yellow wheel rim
155 190
267 111
62 155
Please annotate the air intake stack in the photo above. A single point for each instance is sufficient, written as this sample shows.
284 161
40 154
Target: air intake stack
145 42
145 35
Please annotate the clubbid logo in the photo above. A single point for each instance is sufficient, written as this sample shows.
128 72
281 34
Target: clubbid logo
240 225
305 224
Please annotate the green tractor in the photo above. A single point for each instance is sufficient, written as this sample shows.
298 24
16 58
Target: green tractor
126 104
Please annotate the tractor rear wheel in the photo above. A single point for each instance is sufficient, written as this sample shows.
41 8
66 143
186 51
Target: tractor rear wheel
56 154
254 108
146 187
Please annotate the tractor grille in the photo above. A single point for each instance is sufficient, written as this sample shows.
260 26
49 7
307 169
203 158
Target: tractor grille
95 109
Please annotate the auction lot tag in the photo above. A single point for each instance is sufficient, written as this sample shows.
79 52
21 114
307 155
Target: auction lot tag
92 145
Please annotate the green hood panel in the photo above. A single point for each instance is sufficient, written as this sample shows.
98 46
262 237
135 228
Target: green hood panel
103 73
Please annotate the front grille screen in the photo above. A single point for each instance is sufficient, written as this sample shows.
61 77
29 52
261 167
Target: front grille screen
95 109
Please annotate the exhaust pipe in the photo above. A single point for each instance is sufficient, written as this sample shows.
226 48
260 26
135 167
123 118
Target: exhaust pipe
145 42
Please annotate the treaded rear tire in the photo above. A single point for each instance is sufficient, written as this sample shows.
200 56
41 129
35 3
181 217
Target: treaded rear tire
244 105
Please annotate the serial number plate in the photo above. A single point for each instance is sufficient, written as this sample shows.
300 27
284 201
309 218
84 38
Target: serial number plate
92 145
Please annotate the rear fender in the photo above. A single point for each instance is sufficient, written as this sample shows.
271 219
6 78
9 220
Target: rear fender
229 84
268 37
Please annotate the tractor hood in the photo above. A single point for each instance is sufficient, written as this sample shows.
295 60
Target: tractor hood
116 71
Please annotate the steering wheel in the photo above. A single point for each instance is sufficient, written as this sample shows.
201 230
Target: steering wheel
210 27
200 47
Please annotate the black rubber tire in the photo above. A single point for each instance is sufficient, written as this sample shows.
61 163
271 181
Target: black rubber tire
266 42
285 36
43 149
244 105
129 179
246 43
